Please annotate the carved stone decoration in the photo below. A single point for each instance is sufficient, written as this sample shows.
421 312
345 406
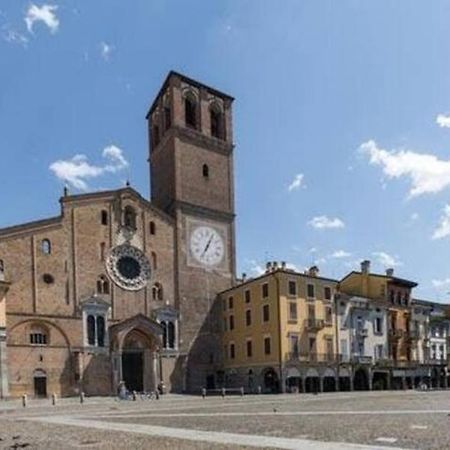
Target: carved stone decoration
128 267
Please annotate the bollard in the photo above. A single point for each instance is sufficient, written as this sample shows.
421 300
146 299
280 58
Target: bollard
81 397
24 400
134 396
157 394
259 390
223 392
203 392
54 399
242 391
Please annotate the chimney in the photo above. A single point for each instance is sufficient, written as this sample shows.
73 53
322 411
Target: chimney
313 271
390 272
268 267
275 265
365 267
283 265
244 277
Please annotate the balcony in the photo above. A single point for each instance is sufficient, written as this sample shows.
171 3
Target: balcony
314 324
361 332
312 357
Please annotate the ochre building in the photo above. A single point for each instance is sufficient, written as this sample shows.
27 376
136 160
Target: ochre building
121 288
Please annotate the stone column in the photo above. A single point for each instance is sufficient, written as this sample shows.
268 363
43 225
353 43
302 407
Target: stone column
155 370
321 384
336 382
370 379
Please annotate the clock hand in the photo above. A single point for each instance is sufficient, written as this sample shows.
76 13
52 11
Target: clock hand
207 246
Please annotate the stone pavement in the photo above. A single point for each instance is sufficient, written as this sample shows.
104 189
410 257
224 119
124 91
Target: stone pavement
346 420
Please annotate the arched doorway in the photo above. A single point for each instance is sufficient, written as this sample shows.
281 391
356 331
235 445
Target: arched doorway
361 380
329 380
40 383
293 380
312 383
380 381
344 379
271 382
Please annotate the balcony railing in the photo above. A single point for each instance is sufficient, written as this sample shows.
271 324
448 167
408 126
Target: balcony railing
314 324
313 357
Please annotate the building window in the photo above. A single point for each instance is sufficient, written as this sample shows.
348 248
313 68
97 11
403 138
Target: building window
391 296
129 217
379 352
378 325
231 322
232 352
293 344
46 247
104 217
310 291
167 118
293 311
224 304
216 121
224 324
266 315
311 312
327 293
205 171
102 285
265 290
247 296
399 298
190 112
248 317
230 302
47 278
100 331
267 349
292 288
154 261
91 330
168 334
102 251
157 292
249 349
152 228
328 314
2 269
38 336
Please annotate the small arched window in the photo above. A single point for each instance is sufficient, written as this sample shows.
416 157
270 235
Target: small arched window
190 111
129 217
164 327
100 331
46 246
205 171
102 285
91 329
154 261
167 118
157 292
104 217
216 122
152 228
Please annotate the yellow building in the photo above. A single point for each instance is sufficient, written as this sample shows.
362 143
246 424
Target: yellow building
279 332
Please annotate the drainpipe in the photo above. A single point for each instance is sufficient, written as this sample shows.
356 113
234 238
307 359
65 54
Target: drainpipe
283 381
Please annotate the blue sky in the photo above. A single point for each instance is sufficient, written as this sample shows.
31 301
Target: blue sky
342 118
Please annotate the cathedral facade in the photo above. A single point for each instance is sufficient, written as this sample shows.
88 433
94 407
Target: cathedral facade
121 288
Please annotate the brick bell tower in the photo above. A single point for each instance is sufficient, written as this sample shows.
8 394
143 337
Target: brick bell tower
191 173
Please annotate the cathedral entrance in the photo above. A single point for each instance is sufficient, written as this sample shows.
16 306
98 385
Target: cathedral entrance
133 370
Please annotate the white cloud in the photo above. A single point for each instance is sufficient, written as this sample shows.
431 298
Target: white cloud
387 260
443 121
441 283
45 14
427 173
443 228
13 36
297 182
324 222
340 254
106 50
77 170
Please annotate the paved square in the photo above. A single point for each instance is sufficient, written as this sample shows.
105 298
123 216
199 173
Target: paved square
351 420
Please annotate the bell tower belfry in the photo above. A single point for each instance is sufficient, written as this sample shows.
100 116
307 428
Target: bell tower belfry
191 175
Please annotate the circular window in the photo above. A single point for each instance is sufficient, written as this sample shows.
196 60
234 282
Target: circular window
128 267
48 279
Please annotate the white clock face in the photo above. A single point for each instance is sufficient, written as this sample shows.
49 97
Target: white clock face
207 246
